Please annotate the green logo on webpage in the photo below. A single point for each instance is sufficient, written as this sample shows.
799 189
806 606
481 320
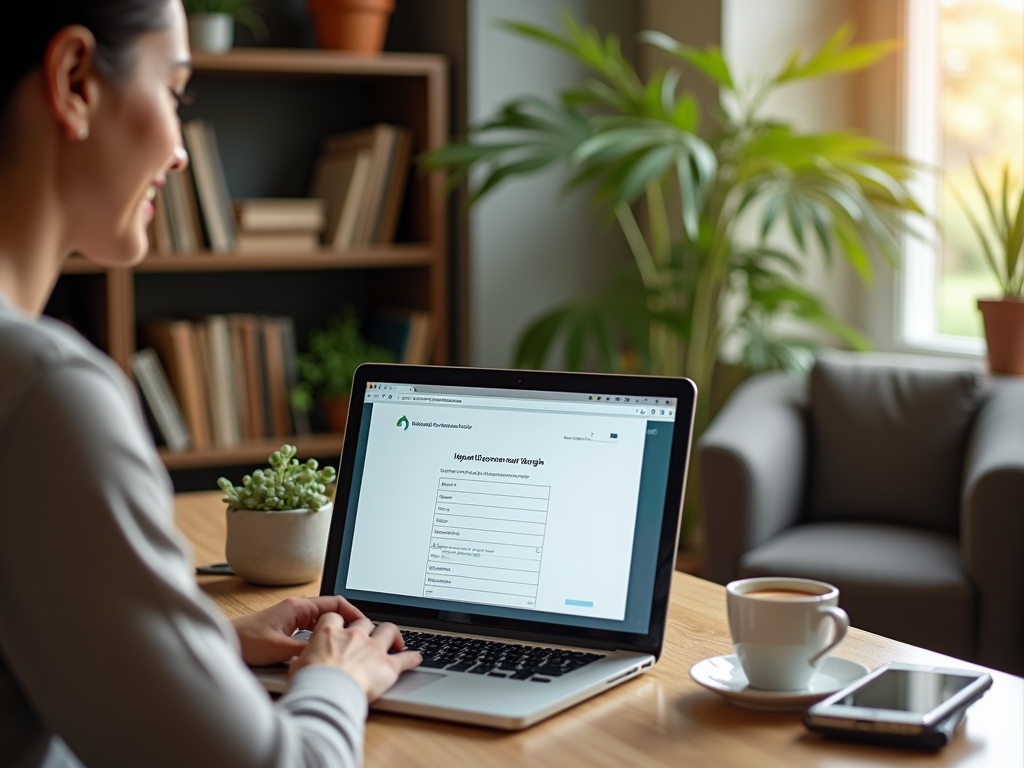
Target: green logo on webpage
402 421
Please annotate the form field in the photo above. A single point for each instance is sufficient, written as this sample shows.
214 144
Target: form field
497 501
486 542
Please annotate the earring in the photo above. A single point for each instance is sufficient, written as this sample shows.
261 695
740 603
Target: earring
83 133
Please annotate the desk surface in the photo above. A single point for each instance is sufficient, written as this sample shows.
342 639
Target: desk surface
662 718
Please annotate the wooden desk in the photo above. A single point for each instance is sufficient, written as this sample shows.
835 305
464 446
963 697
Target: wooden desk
662 718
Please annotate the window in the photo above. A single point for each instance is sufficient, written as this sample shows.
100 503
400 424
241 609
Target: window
964 101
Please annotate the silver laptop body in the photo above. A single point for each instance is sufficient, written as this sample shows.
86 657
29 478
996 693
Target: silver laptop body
519 527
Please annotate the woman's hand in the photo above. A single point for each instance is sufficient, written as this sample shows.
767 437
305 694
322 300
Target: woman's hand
361 650
266 636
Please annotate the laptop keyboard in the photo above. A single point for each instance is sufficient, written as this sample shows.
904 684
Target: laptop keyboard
495 659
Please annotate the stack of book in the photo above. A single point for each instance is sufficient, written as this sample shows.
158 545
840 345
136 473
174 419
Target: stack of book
176 223
275 225
356 198
362 177
229 379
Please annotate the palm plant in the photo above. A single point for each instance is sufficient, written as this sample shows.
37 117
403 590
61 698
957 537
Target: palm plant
693 283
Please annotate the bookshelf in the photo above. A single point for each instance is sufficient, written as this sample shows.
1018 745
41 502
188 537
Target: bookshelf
271 109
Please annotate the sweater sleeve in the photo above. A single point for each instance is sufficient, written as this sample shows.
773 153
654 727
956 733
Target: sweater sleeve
101 622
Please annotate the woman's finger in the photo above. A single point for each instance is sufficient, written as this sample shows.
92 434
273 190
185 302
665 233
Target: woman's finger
362 625
388 636
339 605
404 661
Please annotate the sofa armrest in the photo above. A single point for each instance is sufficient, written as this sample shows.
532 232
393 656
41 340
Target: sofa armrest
992 524
752 467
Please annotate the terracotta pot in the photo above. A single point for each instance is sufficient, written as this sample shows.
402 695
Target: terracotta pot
351 25
336 409
1004 331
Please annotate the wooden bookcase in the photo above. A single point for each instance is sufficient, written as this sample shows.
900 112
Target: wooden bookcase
271 108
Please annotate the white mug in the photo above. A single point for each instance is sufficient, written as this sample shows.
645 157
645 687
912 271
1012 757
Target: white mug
784 631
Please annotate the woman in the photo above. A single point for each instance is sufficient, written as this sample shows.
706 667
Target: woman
109 653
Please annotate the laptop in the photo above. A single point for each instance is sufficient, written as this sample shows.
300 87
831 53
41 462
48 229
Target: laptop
519 527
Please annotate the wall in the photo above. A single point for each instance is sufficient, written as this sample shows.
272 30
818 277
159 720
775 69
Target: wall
757 36
531 247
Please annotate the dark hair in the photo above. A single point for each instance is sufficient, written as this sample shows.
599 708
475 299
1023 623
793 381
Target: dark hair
115 24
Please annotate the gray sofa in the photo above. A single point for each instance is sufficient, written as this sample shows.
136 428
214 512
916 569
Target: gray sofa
898 479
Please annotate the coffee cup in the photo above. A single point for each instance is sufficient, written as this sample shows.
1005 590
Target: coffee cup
783 629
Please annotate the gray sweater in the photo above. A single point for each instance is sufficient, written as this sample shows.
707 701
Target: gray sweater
110 655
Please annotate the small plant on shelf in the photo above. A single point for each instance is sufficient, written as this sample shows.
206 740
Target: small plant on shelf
236 8
286 484
211 23
326 370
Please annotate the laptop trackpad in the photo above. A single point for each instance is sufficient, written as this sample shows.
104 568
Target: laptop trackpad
413 681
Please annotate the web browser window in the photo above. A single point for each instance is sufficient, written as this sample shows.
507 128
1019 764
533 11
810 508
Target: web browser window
508 502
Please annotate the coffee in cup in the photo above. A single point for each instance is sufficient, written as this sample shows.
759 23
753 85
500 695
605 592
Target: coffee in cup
783 629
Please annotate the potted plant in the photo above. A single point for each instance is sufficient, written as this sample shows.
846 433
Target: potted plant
211 23
278 520
326 371
351 25
696 283
1003 317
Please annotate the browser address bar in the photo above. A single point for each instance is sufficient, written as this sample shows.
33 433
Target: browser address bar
524 404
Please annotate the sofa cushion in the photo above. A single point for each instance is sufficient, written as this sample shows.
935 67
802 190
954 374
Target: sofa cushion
903 583
888 437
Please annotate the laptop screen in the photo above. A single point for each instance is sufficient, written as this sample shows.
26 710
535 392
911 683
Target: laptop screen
545 506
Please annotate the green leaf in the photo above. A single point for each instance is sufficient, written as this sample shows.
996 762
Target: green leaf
797 223
709 60
979 232
536 341
649 168
686 115
771 212
836 57
853 248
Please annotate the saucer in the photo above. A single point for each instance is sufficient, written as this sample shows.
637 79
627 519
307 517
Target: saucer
724 675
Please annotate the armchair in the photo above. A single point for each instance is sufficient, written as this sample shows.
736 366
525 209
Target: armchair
898 479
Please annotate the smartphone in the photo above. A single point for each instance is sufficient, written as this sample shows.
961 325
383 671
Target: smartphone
900 704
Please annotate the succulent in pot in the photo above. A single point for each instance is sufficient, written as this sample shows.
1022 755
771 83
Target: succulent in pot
278 520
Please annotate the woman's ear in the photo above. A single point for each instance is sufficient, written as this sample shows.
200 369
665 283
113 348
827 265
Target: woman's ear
72 85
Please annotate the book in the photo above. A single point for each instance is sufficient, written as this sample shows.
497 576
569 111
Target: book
255 375
219 368
190 224
389 147
276 243
277 386
300 419
176 221
239 374
340 180
161 242
280 215
174 341
156 391
211 186
407 333
395 192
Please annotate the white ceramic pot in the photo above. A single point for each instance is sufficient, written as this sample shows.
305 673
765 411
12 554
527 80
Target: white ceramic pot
211 32
278 548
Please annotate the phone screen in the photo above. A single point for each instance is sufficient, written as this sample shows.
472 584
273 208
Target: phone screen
907 690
